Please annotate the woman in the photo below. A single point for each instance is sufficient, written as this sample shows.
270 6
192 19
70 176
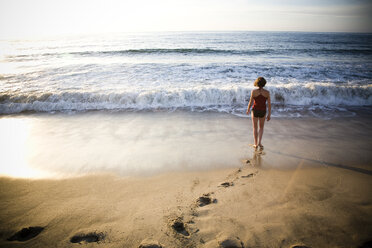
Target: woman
259 97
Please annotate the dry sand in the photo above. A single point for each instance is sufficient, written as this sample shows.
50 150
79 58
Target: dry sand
256 207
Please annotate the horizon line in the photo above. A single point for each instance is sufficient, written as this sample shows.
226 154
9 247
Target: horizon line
38 36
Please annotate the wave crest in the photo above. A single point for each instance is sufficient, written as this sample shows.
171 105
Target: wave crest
226 97
196 51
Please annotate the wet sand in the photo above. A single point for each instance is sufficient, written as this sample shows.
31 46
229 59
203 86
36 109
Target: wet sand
137 144
245 207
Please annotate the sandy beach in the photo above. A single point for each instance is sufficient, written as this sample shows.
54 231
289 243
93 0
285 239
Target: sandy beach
240 207
308 188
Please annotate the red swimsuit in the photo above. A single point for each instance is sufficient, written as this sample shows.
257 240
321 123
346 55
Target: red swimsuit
259 102
259 106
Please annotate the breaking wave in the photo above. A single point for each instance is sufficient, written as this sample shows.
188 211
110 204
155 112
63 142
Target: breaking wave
223 98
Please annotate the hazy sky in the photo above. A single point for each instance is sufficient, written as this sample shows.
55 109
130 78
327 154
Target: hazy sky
20 18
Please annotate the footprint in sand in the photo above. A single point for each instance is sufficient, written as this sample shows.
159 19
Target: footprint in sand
148 243
205 199
88 238
180 227
226 184
320 194
26 233
299 246
195 183
249 175
230 242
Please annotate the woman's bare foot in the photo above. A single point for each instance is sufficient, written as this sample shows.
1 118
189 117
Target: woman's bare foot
261 147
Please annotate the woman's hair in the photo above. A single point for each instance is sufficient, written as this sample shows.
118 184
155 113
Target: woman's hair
260 82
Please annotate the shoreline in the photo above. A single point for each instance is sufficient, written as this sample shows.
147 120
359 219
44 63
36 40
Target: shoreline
308 112
258 207
49 146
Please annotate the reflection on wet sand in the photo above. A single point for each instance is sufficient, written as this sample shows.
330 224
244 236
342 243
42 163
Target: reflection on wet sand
61 145
257 159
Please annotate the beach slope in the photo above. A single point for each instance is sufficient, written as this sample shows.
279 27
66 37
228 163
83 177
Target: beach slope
243 207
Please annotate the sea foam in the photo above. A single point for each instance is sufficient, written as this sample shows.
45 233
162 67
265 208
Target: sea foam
227 98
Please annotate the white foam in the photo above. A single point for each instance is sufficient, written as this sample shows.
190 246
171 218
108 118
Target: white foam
220 98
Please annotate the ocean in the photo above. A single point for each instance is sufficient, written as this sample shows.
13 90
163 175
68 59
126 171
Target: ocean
308 74
144 103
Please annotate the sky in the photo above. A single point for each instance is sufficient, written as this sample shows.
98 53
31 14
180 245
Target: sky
31 18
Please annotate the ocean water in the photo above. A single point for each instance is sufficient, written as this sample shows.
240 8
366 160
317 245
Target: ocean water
145 103
308 74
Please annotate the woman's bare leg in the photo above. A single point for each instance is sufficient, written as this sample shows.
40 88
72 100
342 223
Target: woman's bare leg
260 132
255 128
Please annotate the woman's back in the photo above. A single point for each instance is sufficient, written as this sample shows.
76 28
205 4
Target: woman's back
260 91
260 96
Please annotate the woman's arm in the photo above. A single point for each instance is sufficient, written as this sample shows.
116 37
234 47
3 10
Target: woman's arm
269 108
250 103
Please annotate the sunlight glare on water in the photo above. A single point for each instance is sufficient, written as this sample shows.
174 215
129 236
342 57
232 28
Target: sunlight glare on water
15 149
125 144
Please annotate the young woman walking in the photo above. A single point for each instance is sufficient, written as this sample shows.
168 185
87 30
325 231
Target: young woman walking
259 98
